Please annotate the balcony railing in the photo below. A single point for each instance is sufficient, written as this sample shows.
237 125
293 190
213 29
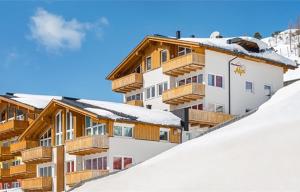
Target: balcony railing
79 176
37 155
184 93
23 171
87 145
5 153
128 83
135 103
4 173
12 128
16 148
37 184
207 118
184 64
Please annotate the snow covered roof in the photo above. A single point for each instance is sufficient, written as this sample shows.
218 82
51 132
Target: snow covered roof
223 43
257 153
111 110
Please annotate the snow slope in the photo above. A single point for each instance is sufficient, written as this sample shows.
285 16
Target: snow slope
281 43
257 153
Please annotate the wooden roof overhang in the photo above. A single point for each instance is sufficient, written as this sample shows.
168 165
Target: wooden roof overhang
18 105
127 61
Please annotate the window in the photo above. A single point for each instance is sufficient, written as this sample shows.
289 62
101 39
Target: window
97 129
88 121
268 90
188 81
219 108
16 184
148 63
122 163
215 80
249 86
215 108
45 139
181 82
198 107
88 164
161 88
45 171
58 129
138 69
69 126
138 96
5 165
6 186
200 78
16 162
163 56
183 51
150 92
99 163
164 134
70 166
126 131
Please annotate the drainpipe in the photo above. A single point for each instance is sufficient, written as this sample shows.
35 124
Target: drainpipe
229 84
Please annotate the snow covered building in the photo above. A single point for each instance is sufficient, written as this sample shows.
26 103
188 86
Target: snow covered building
17 112
72 140
205 81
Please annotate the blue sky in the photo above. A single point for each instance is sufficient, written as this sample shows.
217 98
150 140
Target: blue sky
68 47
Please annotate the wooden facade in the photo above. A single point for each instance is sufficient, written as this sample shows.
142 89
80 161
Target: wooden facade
207 118
5 153
37 155
79 176
37 184
23 171
12 128
135 103
184 93
19 146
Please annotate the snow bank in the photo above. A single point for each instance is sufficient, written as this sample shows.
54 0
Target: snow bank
37 101
257 153
142 114
222 43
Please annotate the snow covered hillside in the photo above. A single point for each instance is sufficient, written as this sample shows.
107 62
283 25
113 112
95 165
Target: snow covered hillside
281 43
257 153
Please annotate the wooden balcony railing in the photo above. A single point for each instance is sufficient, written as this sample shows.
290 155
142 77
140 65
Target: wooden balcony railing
87 145
79 176
184 64
37 184
16 148
207 118
5 153
135 103
12 128
37 155
4 174
128 83
23 171
184 93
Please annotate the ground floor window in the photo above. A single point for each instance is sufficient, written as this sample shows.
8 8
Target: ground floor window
99 163
16 162
123 130
70 166
122 163
164 134
45 171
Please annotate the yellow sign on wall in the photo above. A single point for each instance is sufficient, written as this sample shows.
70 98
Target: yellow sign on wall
240 70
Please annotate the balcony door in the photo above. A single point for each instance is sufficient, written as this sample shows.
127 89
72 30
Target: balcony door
58 129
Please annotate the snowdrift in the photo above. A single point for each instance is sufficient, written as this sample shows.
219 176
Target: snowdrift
258 153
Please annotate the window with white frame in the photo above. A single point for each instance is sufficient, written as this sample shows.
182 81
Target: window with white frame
70 166
183 51
215 107
219 108
150 92
16 162
164 134
198 106
123 130
16 184
6 186
97 129
163 56
148 63
99 163
215 80
268 90
69 126
138 96
162 87
58 129
120 163
45 171
249 86
45 139
188 80
5 165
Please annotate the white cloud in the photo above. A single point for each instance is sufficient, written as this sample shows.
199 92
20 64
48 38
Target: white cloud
55 32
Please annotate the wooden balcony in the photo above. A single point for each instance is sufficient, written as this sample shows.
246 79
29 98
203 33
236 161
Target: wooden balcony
207 118
23 171
128 83
184 93
79 176
5 174
87 145
135 103
37 184
12 128
5 153
16 148
184 64
37 155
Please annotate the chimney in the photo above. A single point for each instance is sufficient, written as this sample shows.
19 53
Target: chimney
192 36
177 34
